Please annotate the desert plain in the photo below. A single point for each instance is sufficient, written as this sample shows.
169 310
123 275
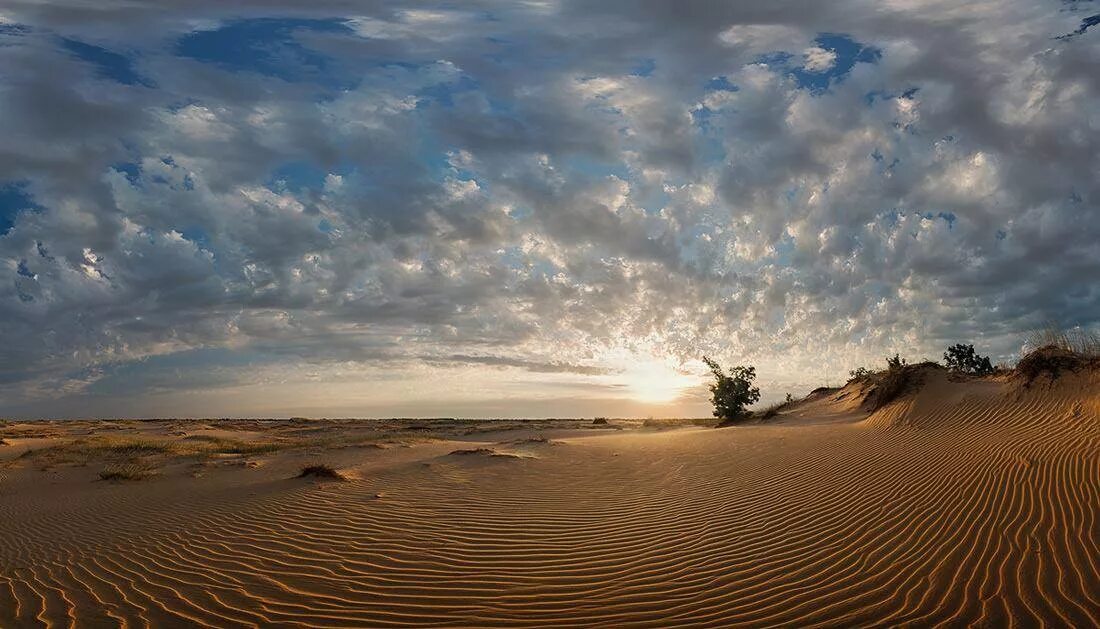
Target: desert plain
965 502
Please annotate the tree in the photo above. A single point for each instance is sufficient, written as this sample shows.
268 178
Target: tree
731 393
963 359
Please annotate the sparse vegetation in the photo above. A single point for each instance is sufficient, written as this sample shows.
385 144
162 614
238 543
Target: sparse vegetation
1052 350
126 471
1084 343
731 393
860 373
80 452
963 359
769 412
895 362
221 445
1051 361
322 471
112 449
898 378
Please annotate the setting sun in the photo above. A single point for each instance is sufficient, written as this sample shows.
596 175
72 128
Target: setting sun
657 381
648 378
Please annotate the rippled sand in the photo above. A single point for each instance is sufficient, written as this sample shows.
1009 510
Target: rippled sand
968 503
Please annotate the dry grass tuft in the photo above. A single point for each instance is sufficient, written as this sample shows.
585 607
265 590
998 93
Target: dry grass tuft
770 412
126 471
1084 343
896 381
1052 361
321 471
222 445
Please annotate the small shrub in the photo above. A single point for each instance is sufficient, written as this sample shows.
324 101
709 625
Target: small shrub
963 359
896 362
731 393
859 373
599 421
320 470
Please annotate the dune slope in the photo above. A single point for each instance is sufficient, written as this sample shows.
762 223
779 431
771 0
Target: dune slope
965 503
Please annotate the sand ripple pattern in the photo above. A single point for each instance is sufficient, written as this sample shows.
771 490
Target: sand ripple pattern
982 511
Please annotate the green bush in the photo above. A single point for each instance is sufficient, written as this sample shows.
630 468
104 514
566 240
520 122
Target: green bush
731 393
963 359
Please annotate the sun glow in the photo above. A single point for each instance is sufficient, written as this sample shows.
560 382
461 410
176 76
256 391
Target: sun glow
651 379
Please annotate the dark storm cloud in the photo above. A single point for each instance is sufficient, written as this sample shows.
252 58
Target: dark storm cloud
527 185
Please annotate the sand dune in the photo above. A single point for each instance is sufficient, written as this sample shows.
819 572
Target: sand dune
964 503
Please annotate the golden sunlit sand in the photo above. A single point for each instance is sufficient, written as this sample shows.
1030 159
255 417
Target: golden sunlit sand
965 502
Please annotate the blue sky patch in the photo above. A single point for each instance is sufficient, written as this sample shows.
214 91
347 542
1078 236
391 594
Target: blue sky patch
131 170
297 176
721 84
108 64
198 236
14 199
267 47
13 29
1086 24
645 67
848 53
24 271
443 93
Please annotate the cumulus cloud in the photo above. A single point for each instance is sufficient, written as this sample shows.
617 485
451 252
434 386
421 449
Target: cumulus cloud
819 59
538 196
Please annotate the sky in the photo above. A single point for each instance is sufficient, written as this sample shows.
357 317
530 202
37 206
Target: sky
529 209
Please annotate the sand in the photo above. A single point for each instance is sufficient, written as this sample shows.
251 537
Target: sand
966 503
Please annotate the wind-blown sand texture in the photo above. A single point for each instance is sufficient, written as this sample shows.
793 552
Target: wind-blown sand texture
966 503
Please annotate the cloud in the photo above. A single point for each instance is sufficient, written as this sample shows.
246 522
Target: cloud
818 59
515 192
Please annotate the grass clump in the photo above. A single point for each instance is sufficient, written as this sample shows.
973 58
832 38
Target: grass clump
1077 340
113 449
896 380
221 445
769 412
128 450
321 471
126 471
1052 350
1051 361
